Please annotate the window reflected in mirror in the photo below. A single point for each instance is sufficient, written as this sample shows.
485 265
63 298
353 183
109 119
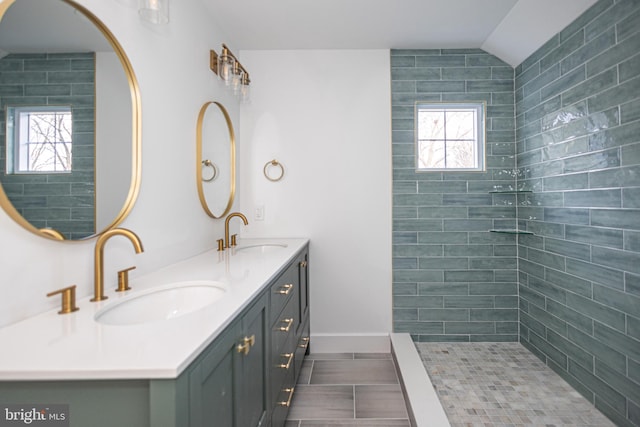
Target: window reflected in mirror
39 139
69 120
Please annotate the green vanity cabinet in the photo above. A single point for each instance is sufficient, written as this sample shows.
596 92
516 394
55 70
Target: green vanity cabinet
228 384
245 378
289 335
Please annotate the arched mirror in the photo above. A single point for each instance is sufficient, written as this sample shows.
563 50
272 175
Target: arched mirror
69 121
215 159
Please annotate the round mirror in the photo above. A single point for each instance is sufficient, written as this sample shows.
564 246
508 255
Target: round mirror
215 160
69 121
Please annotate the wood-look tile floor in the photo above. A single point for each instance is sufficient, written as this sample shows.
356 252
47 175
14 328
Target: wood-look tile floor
348 389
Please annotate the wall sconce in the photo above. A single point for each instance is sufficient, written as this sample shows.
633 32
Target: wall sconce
154 11
231 72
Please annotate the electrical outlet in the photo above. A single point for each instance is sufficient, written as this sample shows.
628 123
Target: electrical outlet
259 213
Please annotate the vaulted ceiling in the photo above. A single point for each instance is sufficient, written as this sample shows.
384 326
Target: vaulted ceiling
509 29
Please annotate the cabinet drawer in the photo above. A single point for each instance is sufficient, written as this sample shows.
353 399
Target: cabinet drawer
282 290
284 396
302 344
284 328
282 363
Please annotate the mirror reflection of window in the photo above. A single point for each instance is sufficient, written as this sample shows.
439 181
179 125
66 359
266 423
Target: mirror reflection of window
42 139
450 136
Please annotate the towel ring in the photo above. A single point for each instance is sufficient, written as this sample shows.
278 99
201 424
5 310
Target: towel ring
273 163
210 164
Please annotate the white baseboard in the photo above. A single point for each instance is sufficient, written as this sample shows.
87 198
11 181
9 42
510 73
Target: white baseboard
327 343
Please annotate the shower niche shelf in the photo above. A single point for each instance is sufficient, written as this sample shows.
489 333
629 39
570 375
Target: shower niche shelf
510 191
510 231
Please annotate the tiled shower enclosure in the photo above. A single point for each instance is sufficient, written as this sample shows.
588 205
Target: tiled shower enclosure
563 132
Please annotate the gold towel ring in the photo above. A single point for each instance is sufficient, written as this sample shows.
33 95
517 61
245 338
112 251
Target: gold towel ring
273 163
209 163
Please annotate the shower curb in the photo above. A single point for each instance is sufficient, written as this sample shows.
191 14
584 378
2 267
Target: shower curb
423 405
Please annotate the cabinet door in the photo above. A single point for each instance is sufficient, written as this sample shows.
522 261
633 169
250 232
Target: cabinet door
214 383
252 408
303 289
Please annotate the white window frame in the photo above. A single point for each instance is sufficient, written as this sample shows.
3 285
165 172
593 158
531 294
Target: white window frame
478 139
17 149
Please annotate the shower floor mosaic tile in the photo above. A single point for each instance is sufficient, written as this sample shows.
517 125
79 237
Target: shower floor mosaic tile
503 384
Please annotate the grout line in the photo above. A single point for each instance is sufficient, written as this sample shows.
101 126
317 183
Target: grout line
353 388
313 364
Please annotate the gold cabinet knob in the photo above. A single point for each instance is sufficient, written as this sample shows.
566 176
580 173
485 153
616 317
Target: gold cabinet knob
68 299
245 346
123 279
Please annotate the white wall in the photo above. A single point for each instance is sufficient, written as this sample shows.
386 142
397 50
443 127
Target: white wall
325 115
171 63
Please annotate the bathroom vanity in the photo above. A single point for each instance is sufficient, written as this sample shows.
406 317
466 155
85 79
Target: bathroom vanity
232 362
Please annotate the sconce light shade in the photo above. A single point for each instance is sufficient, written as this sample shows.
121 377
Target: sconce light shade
231 72
154 11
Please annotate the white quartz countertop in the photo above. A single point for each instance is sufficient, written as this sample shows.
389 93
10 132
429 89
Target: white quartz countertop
75 346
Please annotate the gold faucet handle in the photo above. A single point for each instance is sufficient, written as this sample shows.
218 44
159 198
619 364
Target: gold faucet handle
220 245
234 240
123 279
68 299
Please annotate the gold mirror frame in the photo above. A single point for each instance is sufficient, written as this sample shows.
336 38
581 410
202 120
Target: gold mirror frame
136 132
199 161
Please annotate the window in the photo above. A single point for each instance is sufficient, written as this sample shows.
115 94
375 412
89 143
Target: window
40 139
450 136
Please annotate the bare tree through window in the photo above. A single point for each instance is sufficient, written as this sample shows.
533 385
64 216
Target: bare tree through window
44 139
449 136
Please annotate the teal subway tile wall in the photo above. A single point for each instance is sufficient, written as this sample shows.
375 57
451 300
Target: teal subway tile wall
64 201
453 280
569 292
578 139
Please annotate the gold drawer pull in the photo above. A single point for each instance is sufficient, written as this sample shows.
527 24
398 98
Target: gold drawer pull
303 264
246 345
304 343
289 322
288 364
285 289
288 402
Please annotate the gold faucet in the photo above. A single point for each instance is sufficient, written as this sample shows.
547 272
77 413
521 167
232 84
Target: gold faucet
99 257
226 228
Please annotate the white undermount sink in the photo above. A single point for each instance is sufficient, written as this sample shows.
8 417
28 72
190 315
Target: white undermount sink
162 303
261 247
